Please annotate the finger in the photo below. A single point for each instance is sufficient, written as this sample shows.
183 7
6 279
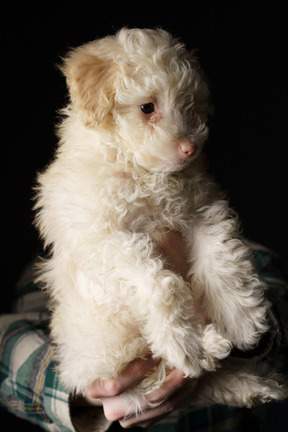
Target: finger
176 400
174 380
116 408
162 398
132 375
148 417
120 407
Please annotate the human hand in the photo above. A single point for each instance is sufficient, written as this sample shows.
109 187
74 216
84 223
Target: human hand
172 394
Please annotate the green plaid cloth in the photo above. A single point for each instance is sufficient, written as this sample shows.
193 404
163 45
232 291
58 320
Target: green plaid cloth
29 385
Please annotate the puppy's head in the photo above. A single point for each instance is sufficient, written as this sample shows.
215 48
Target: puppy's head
147 90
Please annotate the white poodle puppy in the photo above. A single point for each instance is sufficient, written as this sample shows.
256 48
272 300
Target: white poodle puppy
127 172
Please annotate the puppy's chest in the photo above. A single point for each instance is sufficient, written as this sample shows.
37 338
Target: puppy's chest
155 204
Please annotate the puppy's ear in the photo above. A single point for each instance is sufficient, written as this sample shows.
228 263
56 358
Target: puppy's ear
90 80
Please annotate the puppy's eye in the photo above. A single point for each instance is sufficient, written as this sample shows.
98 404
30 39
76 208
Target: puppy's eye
148 108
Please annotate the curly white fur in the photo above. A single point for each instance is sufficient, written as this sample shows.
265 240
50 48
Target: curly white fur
127 172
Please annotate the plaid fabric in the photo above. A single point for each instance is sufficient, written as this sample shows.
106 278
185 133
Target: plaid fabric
29 386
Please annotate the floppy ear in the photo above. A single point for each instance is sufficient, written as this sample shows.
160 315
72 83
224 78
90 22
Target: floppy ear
90 80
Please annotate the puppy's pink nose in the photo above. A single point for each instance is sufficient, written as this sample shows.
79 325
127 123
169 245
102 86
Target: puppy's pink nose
187 148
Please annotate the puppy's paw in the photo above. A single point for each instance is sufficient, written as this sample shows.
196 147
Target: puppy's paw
182 351
215 347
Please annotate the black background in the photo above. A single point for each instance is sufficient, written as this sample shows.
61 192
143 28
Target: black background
242 47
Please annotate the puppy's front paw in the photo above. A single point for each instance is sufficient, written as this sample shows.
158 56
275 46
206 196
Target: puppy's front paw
181 348
215 347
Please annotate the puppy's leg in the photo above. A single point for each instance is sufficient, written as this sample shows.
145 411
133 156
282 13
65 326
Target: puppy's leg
222 277
160 300
240 386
